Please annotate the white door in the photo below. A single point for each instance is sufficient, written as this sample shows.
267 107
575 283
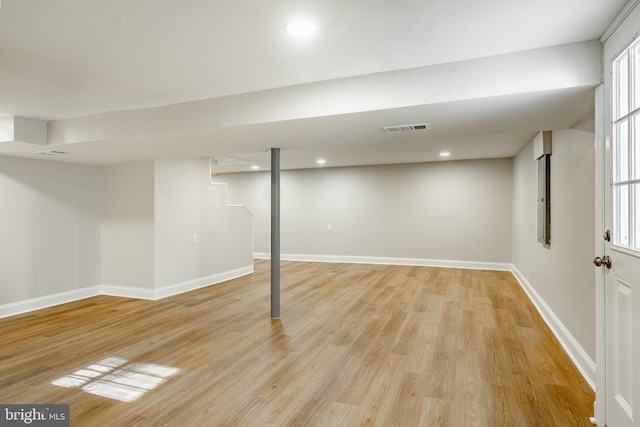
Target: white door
621 258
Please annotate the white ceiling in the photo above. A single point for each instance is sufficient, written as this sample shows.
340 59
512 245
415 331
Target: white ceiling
486 75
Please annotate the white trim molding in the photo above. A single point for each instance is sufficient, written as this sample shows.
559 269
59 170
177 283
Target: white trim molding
202 282
226 193
578 355
128 292
599 245
46 301
345 259
176 288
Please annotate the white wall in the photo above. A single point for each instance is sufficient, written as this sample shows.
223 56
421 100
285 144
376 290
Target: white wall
458 210
562 273
71 231
186 203
49 228
127 230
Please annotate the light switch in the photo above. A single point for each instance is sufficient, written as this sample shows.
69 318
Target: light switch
330 227
195 238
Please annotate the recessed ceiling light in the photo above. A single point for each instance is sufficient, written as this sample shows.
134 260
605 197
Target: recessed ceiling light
300 28
444 154
255 167
321 162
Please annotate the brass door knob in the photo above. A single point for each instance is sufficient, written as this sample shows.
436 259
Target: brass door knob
605 260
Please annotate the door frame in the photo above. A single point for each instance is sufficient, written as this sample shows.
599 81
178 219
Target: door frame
599 406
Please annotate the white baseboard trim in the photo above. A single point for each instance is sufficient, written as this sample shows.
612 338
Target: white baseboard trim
177 288
202 282
474 265
128 292
578 355
46 301
33 304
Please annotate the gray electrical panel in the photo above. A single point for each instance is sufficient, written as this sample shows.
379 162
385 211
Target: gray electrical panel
544 199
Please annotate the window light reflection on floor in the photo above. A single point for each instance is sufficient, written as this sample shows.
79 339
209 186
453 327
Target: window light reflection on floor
117 378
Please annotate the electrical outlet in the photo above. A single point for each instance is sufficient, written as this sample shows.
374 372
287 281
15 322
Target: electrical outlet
195 238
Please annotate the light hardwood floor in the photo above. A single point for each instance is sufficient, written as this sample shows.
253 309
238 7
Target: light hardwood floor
356 345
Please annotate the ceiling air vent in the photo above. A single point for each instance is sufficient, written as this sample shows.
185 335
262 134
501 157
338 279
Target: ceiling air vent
407 128
51 153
